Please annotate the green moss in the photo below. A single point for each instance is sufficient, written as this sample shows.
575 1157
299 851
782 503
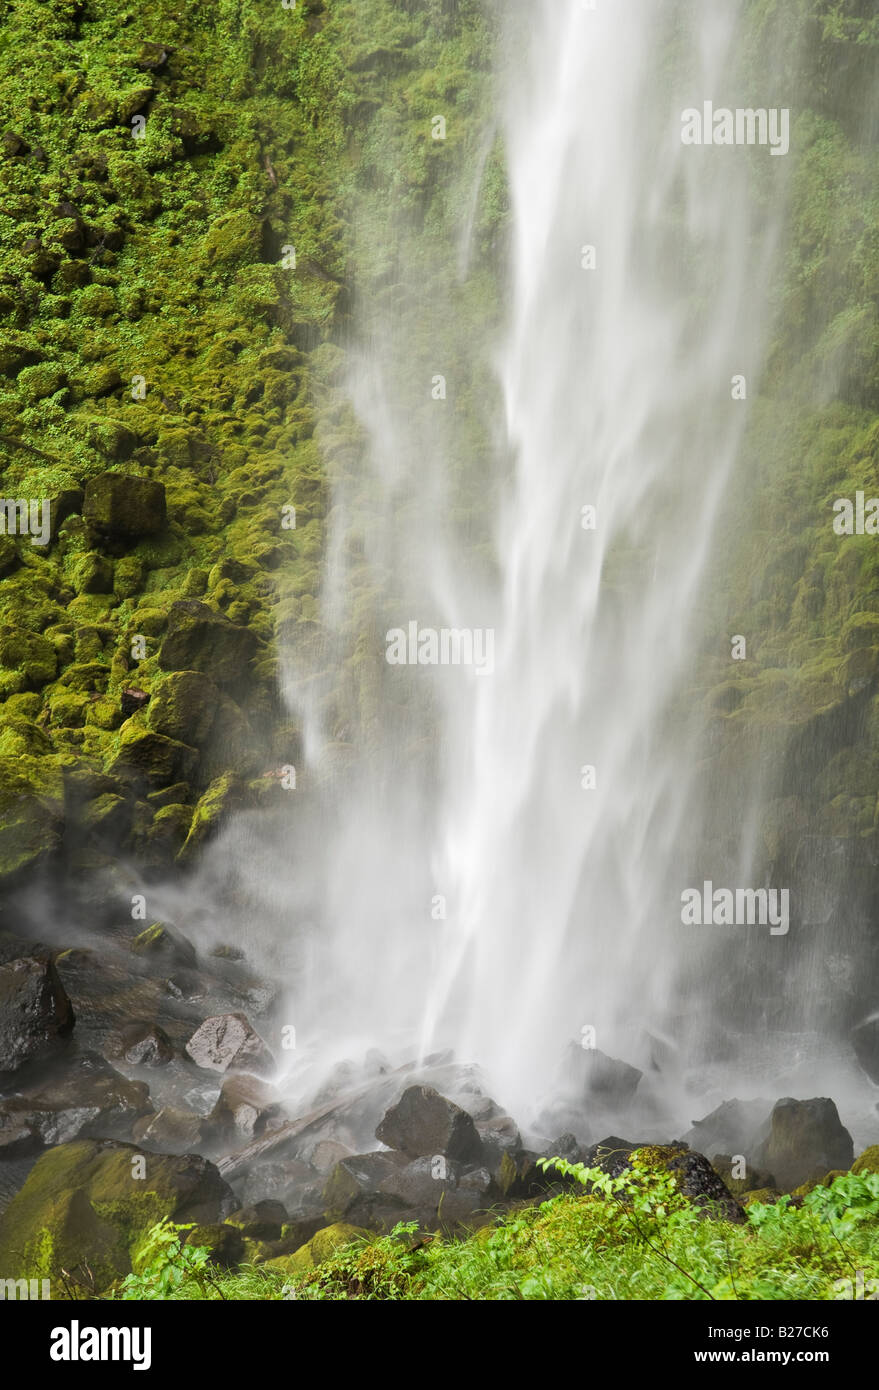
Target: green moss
868 1161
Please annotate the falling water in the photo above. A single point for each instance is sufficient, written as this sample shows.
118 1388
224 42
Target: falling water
492 860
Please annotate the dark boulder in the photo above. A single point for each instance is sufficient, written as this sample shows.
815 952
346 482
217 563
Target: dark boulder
806 1140
356 1178
424 1123
261 1220
120 506
198 638
142 1044
35 1012
91 1100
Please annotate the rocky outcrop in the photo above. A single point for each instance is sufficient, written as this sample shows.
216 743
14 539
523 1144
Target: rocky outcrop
86 1206
424 1122
806 1140
35 1013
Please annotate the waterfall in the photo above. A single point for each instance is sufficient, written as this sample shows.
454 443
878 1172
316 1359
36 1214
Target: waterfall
500 696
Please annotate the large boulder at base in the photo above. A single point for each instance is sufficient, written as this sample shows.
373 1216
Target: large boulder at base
806 1140
35 1012
85 1209
119 506
424 1123
90 1100
357 1178
865 1041
199 638
227 1041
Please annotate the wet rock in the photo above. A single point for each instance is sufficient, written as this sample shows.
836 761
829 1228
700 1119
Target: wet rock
597 1077
806 1139
228 1041
200 639
35 1012
357 1178
865 1041
92 1100
119 506
326 1154
735 1127
246 1108
567 1147
260 1220
142 1044
83 1210
172 1131
289 1181
424 1123
499 1135
165 946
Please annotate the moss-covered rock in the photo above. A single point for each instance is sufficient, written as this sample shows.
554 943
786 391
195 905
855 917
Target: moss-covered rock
182 706
321 1246
85 1210
141 755
201 639
868 1161
32 813
225 795
122 506
27 660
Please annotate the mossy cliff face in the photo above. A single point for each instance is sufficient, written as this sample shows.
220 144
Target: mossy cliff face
176 187
794 727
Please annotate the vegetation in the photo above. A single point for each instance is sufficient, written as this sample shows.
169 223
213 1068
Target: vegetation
631 1237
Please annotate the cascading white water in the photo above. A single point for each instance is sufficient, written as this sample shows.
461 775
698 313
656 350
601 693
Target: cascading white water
617 393
459 881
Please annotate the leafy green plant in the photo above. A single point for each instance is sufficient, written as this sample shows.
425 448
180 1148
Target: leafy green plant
167 1264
